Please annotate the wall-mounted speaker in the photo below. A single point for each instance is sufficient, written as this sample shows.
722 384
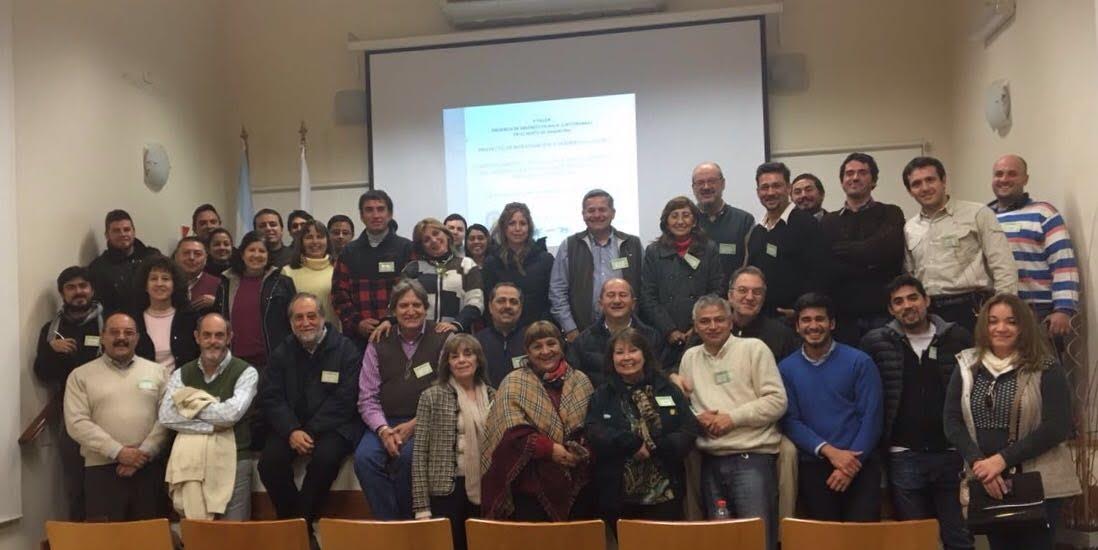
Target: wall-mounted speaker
787 72
349 107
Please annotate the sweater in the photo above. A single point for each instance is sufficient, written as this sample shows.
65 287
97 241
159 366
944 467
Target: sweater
729 229
107 408
363 277
315 277
837 402
867 248
742 381
793 256
453 285
202 467
1048 274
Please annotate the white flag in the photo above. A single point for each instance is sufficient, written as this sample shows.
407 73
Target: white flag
244 209
306 185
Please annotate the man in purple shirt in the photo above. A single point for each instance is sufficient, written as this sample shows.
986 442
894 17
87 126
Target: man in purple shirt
394 372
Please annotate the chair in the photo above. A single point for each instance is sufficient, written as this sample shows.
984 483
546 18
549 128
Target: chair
342 534
507 535
802 534
153 534
289 534
746 534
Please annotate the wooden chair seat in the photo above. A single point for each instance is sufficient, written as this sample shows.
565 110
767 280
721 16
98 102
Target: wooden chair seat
153 534
507 535
748 534
290 534
341 534
802 534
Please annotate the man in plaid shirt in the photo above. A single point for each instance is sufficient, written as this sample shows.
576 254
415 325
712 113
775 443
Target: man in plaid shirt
368 267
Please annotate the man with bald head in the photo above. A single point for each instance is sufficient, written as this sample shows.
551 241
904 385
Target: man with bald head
110 410
618 304
1048 276
232 382
727 225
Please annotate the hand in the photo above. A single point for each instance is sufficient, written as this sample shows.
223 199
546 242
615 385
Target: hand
440 327
719 425
995 488
1059 323
301 442
367 326
676 338
562 456
841 459
63 345
571 335
389 441
202 301
642 453
380 331
683 383
125 471
989 468
404 431
132 457
838 481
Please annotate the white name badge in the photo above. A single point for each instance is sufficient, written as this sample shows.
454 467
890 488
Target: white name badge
329 376
146 385
950 242
516 362
772 250
665 401
728 248
722 377
386 267
619 263
91 341
1012 227
692 261
423 370
932 352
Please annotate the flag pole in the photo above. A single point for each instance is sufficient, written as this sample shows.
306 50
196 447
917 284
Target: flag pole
305 190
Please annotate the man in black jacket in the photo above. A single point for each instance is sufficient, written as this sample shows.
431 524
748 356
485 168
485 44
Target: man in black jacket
502 340
916 355
67 341
309 396
112 271
618 304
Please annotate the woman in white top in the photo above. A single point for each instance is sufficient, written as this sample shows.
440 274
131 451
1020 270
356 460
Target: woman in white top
164 318
311 267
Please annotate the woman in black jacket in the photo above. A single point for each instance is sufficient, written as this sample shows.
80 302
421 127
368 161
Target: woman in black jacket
517 258
640 427
259 315
165 320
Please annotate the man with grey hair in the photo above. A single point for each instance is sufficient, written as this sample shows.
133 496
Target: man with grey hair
737 393
727 225
588 259
308 399
747 294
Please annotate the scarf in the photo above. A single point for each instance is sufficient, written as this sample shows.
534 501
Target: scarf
997 366
472 415
682 246
555 378
650 423
94 312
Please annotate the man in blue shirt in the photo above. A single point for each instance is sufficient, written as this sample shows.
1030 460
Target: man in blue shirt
834 418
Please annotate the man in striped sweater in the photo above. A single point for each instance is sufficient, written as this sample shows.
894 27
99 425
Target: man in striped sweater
1048 277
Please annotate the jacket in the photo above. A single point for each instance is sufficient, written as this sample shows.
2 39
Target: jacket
587 353
275 295
867 247
184 346
580 292
52 368
669 287
112 276
298 391
534 283
454 289
362 278
500 351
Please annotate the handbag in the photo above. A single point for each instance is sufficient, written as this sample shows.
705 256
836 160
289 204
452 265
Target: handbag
1023 503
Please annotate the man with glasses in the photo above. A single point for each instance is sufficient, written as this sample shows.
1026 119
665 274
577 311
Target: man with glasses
746 294
727 225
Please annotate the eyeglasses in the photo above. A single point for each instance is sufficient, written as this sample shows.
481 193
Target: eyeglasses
989 399
756 292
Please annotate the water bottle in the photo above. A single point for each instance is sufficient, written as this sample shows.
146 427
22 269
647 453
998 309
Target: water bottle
721 512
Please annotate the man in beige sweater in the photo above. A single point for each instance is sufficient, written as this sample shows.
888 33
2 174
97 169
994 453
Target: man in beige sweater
111 411
738 397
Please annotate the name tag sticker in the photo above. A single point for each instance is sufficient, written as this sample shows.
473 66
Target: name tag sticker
722 377
516 362
329 376
932 352
146 385
728 248
1012 227
91 341
620 263
665 401
692 260
423 370
386 267
950 242
772 250
605 416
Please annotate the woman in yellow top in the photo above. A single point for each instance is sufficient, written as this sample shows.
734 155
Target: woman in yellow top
311 267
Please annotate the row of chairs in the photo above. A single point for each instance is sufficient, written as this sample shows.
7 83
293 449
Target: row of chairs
335 534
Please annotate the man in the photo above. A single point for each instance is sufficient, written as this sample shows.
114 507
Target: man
268 222
1048 276
618 304
727 225
746 294
916 356
588 259
834 418
786 245
341 230
308 400
956 248
112 271
231 383
297 219
205 219
739 398
110 410
67 341
502 340
867 250
807 193
202 287
368 268
456 224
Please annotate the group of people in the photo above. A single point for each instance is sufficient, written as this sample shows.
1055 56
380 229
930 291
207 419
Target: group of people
469 372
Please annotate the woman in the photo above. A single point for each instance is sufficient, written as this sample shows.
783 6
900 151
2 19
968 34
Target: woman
311 267
254 296
450 422
679 267
535 456
164 317
219 250
1012 377
517 258
476 243
641 429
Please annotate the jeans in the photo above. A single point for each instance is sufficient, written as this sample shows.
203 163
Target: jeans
748 482
239 507
1031 538
925 485
386 481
